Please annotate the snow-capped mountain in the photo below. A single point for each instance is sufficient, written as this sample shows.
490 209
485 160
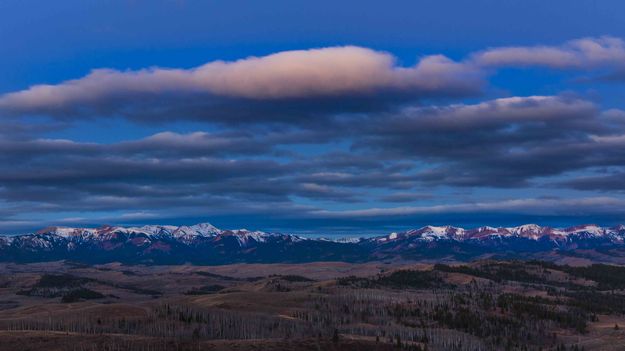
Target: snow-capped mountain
204 243
527 231
149 234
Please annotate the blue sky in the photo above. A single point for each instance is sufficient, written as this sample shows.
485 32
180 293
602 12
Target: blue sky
352 117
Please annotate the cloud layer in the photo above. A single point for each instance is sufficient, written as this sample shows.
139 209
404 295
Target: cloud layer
340 134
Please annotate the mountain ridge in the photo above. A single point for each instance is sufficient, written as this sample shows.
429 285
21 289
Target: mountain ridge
204 243
207 229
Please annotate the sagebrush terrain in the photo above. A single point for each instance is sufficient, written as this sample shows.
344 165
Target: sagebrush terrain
484 305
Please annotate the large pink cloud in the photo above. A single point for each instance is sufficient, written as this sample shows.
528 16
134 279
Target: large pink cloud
293 85
302 74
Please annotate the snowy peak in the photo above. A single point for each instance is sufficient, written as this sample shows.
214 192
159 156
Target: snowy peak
67 232
432 233
535 232
526 228
150 229
202 230
246 237
589 229
526 231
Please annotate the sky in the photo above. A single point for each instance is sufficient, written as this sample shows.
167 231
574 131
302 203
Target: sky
319 118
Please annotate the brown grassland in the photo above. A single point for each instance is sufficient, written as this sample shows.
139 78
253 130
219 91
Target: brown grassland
483 305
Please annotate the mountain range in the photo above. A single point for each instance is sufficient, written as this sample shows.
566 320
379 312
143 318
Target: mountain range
205 244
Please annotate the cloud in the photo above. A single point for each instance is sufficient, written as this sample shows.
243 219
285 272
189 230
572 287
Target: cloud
304 79
613 181
390 157
499 143
215 172
405 197
300 86
297 134
601 205
585 53
164 145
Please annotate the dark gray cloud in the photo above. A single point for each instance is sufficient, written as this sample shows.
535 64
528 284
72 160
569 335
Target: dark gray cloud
166 170
606 181
500 143
406 197
504 142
